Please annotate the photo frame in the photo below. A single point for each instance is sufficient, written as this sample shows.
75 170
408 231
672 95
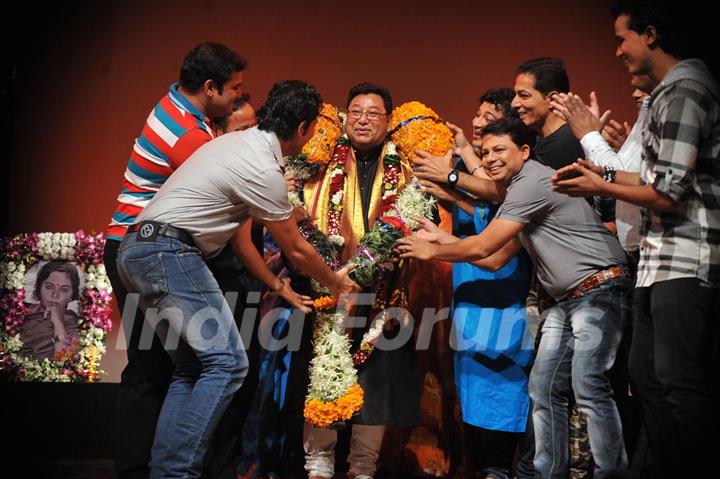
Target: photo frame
55 307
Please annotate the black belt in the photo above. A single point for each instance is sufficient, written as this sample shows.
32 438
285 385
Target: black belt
147 229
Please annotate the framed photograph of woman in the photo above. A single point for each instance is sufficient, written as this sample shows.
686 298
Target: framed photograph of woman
52 292
54 308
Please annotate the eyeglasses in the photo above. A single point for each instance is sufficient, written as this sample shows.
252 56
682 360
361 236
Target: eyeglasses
372 115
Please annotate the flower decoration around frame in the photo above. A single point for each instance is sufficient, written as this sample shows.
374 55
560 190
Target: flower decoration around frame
78 358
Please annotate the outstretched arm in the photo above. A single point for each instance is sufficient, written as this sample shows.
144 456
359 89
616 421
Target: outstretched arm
498 233
302 254
436 169
245 250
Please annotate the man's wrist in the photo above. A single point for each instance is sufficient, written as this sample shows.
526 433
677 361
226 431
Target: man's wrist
452 178
608 174
281 284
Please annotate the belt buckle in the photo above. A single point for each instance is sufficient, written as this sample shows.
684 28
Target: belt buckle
147 231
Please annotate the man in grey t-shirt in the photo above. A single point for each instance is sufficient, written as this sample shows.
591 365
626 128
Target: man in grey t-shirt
199 209
562 235
583 266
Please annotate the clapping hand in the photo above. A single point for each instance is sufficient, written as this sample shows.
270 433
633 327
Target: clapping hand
582 118
616 134
581 178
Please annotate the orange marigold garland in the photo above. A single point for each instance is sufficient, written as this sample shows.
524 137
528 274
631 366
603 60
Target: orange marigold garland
327 131
317 152
334 395
328 414
324 303
415 126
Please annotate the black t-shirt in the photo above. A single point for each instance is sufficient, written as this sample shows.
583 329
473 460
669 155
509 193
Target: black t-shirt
560 148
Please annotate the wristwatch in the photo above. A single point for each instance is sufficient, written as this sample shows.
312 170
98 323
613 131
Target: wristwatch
453 177
609 174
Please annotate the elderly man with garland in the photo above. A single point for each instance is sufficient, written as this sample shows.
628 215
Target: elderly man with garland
369 176
360 183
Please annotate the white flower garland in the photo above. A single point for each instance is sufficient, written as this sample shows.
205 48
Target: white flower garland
413 203
331 370
96 278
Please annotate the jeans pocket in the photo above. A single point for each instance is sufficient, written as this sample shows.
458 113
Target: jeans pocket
147 275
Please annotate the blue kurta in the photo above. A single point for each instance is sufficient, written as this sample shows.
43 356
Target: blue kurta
493 347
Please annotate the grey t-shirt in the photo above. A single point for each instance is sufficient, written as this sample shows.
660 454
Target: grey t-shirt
563 235
225 181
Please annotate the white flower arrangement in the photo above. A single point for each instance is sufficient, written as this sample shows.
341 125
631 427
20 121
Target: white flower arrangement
12 275
337 240
332 371
413 203
57 246
337 197
294 198
96 278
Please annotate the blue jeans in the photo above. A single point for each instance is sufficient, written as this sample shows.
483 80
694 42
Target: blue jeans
182 301
579 342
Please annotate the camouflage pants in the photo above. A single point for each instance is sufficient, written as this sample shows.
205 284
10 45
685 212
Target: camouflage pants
581 460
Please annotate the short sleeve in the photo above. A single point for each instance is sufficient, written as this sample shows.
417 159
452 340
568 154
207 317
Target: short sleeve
187 145
267 196
525 200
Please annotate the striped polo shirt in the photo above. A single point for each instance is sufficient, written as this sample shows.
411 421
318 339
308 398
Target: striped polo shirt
174 129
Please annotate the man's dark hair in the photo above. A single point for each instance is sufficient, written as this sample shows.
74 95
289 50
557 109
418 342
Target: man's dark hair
288 104
665 16
222 121
60 267
502 99
549 74
209 61
368 89
519 132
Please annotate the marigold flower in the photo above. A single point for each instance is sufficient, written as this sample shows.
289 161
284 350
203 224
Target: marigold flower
327 131
324 414
324 303
415 126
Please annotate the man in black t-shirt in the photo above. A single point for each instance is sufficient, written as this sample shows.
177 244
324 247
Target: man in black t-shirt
537 80
556 146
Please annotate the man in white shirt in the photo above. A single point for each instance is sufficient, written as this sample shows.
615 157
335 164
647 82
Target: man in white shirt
587 127
196 212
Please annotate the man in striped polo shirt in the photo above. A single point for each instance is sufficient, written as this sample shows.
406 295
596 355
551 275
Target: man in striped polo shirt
210 83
